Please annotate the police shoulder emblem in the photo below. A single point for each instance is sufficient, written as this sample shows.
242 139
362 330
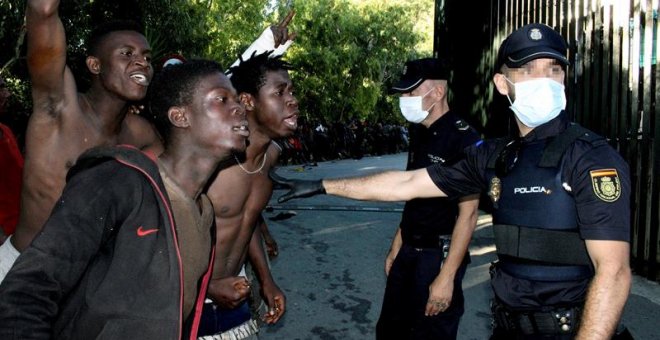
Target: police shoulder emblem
606 184
462 125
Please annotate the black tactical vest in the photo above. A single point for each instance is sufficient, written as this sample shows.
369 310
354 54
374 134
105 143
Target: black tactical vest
535 217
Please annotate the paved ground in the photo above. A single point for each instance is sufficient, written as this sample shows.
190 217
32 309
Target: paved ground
331 264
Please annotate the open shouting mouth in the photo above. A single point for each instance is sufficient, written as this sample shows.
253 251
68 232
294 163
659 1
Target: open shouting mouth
242 129
140 78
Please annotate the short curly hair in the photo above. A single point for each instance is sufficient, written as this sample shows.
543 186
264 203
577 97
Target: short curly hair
250 75
101 32
175 85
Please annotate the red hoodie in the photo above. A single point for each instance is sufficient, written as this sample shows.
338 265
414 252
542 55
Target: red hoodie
11 168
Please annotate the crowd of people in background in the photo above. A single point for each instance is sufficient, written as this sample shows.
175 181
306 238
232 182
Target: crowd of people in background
317 141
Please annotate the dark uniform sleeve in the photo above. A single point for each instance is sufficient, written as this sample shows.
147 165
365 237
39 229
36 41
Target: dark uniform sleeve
600 181
32 292
465 176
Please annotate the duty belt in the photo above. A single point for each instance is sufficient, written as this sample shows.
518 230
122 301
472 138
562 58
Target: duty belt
558 321
433 242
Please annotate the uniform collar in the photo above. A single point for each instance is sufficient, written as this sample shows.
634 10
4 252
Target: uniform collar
549 129
446 119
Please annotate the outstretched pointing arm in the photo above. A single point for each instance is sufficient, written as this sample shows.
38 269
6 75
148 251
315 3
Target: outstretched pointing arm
384 186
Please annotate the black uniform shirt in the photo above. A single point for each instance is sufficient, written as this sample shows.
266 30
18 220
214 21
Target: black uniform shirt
598 218
601 215
441 143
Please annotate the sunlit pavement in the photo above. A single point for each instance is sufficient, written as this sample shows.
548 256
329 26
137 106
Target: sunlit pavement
332 254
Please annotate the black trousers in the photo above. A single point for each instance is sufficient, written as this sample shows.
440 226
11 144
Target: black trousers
406 293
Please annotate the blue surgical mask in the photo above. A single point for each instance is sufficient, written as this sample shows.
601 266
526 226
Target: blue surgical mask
537 101
412 108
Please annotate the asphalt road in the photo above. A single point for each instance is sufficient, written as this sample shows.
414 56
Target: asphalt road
332 255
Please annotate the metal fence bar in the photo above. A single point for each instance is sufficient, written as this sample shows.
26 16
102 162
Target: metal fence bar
654 166
646 177
608 112
616 69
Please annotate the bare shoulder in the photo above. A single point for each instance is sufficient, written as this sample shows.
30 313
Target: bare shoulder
139 132
274 151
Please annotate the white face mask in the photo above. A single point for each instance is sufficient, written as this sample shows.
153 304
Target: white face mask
412 108
538 101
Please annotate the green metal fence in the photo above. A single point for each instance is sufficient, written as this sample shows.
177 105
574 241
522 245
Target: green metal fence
612 83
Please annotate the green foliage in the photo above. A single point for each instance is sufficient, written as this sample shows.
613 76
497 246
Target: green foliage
12 36
170 26
176 26
347 52
233 25
11 23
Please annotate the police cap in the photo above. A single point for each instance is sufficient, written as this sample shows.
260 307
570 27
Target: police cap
531 42
418 70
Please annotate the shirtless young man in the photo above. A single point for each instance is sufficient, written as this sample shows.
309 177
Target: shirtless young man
64 123
240 193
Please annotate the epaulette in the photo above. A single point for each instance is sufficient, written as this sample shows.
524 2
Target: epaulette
559 144
462 125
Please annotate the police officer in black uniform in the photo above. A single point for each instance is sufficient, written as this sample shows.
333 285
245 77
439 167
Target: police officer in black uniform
561 196
423 301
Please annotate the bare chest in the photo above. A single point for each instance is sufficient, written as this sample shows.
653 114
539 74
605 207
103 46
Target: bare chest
235 193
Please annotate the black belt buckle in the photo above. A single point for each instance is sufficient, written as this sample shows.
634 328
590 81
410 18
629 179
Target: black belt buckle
420 243
567 319
558 321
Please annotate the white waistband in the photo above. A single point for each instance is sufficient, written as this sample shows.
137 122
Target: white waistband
239 332
8 255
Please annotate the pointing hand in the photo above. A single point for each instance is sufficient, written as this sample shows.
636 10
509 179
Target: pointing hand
281 31
297 188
